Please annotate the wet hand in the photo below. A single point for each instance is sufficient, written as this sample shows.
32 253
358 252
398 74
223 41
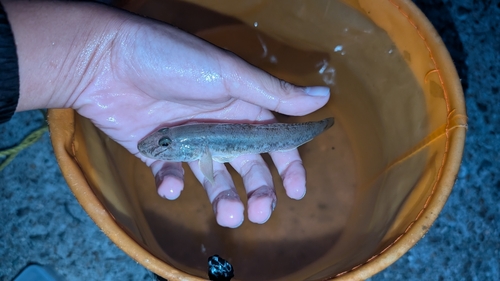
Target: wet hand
131 75
157 75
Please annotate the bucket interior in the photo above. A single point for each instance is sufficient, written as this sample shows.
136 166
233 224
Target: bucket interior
368 178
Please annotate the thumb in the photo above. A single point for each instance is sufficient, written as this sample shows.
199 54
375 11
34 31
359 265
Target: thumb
253 85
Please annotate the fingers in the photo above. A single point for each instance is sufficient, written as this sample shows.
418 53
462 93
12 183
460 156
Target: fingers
248 83
169 178
226 203
292 172
222 194
228 208
258 185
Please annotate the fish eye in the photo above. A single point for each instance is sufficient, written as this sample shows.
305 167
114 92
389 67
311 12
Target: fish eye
165 142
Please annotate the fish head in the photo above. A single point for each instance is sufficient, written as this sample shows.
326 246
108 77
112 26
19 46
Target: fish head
166 145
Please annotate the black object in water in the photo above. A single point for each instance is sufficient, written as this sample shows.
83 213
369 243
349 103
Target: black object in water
219 269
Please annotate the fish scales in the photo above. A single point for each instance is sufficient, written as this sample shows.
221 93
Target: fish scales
227 141
241 138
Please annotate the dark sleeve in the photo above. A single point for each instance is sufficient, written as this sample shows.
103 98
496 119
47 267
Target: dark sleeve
9 70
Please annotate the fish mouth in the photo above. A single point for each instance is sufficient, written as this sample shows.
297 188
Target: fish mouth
148 147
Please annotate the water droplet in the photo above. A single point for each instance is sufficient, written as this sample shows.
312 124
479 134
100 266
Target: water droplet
390 51
338 48
324 65
255 24
327 72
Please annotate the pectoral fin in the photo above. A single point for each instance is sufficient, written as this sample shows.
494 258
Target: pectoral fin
206 165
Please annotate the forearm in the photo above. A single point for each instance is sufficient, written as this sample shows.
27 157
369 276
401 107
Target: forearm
59 45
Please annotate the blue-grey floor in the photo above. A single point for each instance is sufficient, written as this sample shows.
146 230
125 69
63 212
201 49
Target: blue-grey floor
41 222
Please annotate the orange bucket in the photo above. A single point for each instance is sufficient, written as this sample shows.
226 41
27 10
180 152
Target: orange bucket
376 181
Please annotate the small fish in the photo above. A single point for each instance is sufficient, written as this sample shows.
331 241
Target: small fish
222 142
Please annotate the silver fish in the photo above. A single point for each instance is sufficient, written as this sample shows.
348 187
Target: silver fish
224 142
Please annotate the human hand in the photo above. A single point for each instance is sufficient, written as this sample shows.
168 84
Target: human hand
137 74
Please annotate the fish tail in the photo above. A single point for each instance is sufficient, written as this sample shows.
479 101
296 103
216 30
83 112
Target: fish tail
328 123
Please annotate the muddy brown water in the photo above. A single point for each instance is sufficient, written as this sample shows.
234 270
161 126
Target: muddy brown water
370 83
